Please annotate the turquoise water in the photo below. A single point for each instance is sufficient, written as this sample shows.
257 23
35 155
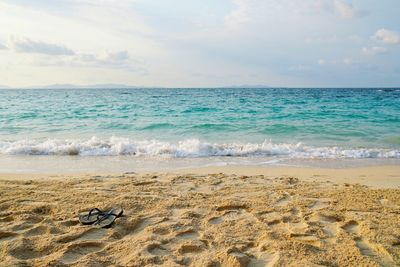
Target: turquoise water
296 123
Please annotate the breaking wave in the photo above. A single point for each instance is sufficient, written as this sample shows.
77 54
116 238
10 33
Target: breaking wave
116 146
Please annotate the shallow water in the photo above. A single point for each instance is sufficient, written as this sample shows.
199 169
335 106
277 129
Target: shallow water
190 123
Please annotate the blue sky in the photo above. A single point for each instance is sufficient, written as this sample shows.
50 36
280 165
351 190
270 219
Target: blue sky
182 43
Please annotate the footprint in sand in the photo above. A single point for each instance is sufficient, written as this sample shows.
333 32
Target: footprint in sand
193 247
264 260
252 258
162 230
283 201
25 250
351 227
377 252
92 234
329 225
307 239
331 231
38 230
189 234
69 223
158 250
232 213
215 220
320 203
366 248
298 227
4 236
76 251
28 222
231 207
133 226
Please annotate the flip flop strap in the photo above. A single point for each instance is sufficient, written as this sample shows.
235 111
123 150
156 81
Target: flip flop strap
95 209
104 216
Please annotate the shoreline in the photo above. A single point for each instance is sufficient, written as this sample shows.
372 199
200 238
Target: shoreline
121 164
381 176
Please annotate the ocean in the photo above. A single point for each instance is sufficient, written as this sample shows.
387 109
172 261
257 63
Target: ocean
255 125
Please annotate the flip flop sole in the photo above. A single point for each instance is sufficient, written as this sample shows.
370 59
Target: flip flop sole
105 221
117 211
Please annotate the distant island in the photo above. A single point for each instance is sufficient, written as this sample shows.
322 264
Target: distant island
124 86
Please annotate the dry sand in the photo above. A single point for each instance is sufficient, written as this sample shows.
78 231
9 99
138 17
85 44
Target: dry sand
269 217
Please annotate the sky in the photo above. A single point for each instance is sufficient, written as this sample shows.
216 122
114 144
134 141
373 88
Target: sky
208 43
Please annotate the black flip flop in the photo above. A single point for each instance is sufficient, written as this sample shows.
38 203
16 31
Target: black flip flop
91 217
107 219
94 215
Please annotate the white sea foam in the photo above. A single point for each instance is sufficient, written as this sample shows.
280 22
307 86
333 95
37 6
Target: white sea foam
193 148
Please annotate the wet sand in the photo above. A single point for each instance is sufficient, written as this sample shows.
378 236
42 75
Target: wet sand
228 216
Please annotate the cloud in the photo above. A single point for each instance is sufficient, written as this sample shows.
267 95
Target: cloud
344 9
2 46
239 16
268 13
387 36
119 56
340 8
106 58
374 50
25 45
321 61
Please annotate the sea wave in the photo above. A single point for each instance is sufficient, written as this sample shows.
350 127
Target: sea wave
116 146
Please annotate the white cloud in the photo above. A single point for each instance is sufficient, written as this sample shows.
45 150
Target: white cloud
25 45
119 56
345 10
2 46
387 36
239 16
106 58
321 62
46 52
267 14
117 60
374 50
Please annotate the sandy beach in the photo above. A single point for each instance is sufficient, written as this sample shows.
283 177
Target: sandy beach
205 217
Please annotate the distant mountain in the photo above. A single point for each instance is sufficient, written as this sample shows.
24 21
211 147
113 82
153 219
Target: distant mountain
74 86
249 86
123 86
57 86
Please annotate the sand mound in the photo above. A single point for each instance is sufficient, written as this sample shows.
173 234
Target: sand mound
199 220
